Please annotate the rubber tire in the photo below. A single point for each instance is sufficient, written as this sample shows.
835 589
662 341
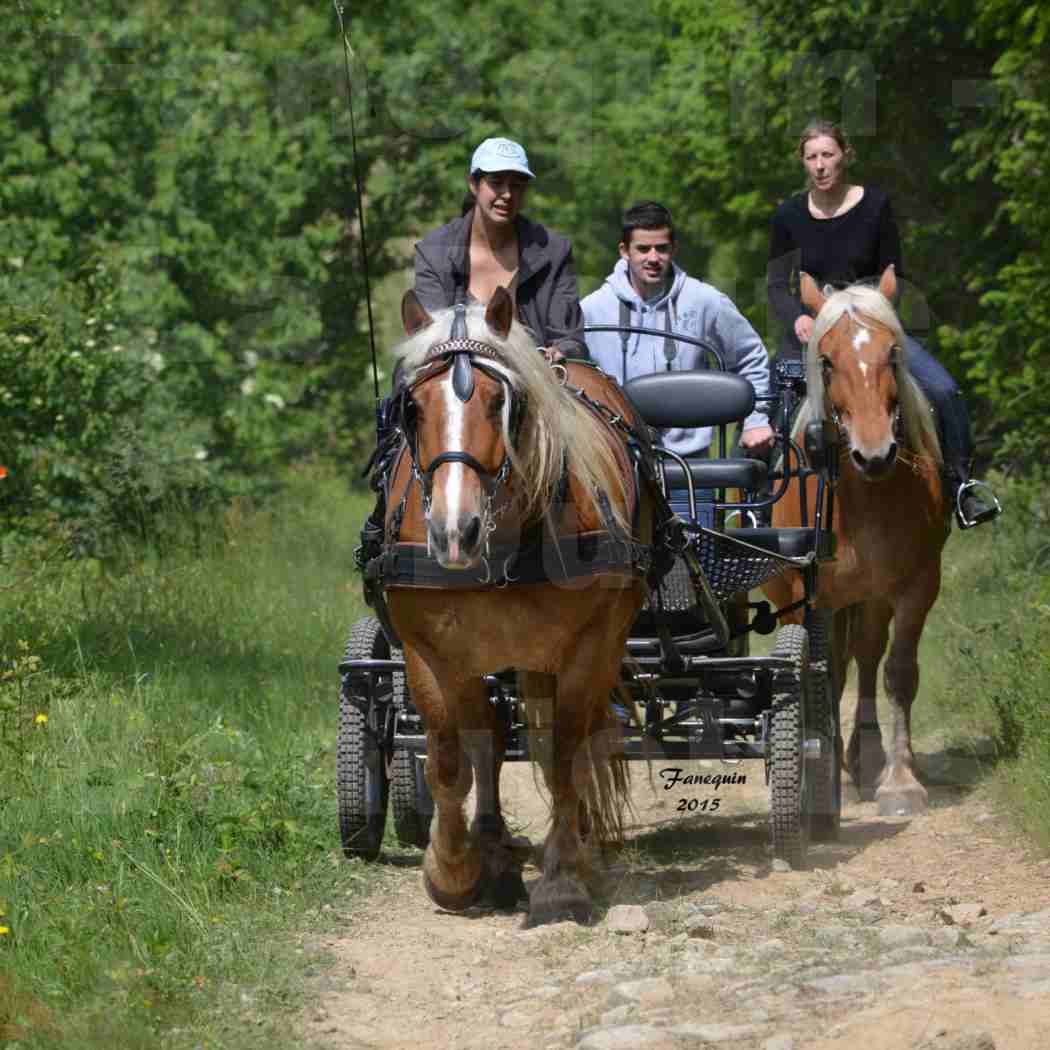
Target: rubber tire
822 718
789 791
410 795
362 787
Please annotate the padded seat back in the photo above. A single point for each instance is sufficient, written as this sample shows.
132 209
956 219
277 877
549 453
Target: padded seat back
698 398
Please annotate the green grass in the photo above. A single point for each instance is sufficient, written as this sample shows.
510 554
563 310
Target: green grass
167 801
985 656
168 840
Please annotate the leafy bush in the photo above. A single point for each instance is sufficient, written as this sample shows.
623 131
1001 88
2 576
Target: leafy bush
89 440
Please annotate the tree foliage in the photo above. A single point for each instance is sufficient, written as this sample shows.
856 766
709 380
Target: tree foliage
197 160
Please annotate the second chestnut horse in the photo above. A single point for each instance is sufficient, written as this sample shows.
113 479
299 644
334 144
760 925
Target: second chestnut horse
890 523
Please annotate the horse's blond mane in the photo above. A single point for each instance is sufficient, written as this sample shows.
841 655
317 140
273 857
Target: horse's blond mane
865 305
559 428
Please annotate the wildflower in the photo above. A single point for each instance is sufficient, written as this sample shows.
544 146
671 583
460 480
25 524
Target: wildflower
4 931
41 719
276 400
3 473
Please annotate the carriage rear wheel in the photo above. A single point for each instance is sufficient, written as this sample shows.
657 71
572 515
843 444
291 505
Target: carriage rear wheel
361 782
790 793
822 720
410 794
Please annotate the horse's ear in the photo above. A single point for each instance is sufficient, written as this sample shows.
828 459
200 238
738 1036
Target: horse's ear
414 314
888 282
812 297
499 314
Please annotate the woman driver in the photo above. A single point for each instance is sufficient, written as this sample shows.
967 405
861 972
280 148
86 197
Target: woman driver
842 233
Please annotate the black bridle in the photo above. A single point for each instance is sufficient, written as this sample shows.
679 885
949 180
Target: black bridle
462 355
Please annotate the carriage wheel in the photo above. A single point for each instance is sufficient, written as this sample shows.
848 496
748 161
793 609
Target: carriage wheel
822 718
412 802
361 782
790 796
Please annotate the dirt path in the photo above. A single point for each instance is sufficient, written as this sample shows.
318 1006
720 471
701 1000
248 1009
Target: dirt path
932 934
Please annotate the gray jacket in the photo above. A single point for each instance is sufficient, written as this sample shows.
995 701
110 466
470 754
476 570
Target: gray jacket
544 288
688 306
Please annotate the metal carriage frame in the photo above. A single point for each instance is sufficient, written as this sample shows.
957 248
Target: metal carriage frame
691 687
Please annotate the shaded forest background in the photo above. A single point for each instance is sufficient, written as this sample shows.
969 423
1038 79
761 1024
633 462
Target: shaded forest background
181 298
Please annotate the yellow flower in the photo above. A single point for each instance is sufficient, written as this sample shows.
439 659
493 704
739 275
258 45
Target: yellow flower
41 719
4 931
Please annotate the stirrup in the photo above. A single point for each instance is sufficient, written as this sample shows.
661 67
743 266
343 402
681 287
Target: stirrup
987 515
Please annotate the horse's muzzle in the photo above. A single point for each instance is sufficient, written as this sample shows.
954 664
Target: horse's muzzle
875 467
459 545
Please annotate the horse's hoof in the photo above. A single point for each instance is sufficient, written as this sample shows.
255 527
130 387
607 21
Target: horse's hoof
447 900
559 900
506 890
901 802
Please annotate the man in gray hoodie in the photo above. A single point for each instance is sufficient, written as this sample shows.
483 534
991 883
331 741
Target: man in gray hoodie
648 290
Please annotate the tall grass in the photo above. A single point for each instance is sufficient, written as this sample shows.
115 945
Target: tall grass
986 653
166 788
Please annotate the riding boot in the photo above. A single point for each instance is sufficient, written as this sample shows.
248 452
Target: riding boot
973 502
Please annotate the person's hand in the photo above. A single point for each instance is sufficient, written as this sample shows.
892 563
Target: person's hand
553 354
757 439
803 328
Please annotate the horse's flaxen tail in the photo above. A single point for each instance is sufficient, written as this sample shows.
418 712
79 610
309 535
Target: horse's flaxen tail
605 774
600 773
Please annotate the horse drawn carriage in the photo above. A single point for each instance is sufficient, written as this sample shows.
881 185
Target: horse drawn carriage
571 619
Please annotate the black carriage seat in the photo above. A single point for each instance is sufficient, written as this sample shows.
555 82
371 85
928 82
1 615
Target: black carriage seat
747 474
700 398
697 398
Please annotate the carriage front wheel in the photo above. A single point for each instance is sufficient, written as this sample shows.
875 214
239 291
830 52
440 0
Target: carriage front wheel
791 795
361 781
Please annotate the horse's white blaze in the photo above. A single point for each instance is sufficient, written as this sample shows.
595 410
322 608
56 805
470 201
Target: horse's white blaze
455 412
861 339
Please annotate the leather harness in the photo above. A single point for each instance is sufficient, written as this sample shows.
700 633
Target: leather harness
538 557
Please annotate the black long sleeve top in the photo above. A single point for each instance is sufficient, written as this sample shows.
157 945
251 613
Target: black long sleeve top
854 246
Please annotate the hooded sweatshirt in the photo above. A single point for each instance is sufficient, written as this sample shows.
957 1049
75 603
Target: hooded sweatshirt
695 309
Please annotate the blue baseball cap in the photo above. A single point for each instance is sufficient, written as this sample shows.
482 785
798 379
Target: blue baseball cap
500 155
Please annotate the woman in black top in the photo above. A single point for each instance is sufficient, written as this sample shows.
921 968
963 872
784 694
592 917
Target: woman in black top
843 233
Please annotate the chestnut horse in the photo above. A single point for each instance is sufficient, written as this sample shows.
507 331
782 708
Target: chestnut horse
500 449
890 522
